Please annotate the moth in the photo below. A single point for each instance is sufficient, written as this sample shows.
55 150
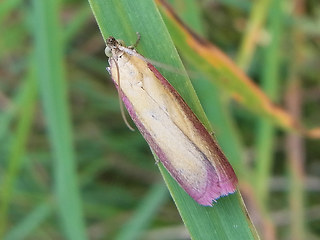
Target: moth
175 134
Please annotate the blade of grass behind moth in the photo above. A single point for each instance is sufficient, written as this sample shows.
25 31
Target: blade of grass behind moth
155 198
24 228
122 19
21 102
258 15
12 108
79 20
270 84
296 158
222 71
266 132
51 78
17 150
295 152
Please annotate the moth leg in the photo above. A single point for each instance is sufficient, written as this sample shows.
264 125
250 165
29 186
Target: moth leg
137 42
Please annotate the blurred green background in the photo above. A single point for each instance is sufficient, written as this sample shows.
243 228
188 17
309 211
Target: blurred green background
71 169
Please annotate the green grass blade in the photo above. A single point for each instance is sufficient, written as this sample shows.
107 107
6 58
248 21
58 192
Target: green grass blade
14 107
121 19
270 84
78 22
133 229
17 150
50 72
29 223
258 14
295 145
265 136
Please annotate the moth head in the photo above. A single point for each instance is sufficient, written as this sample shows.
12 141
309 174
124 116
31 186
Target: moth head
112 43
